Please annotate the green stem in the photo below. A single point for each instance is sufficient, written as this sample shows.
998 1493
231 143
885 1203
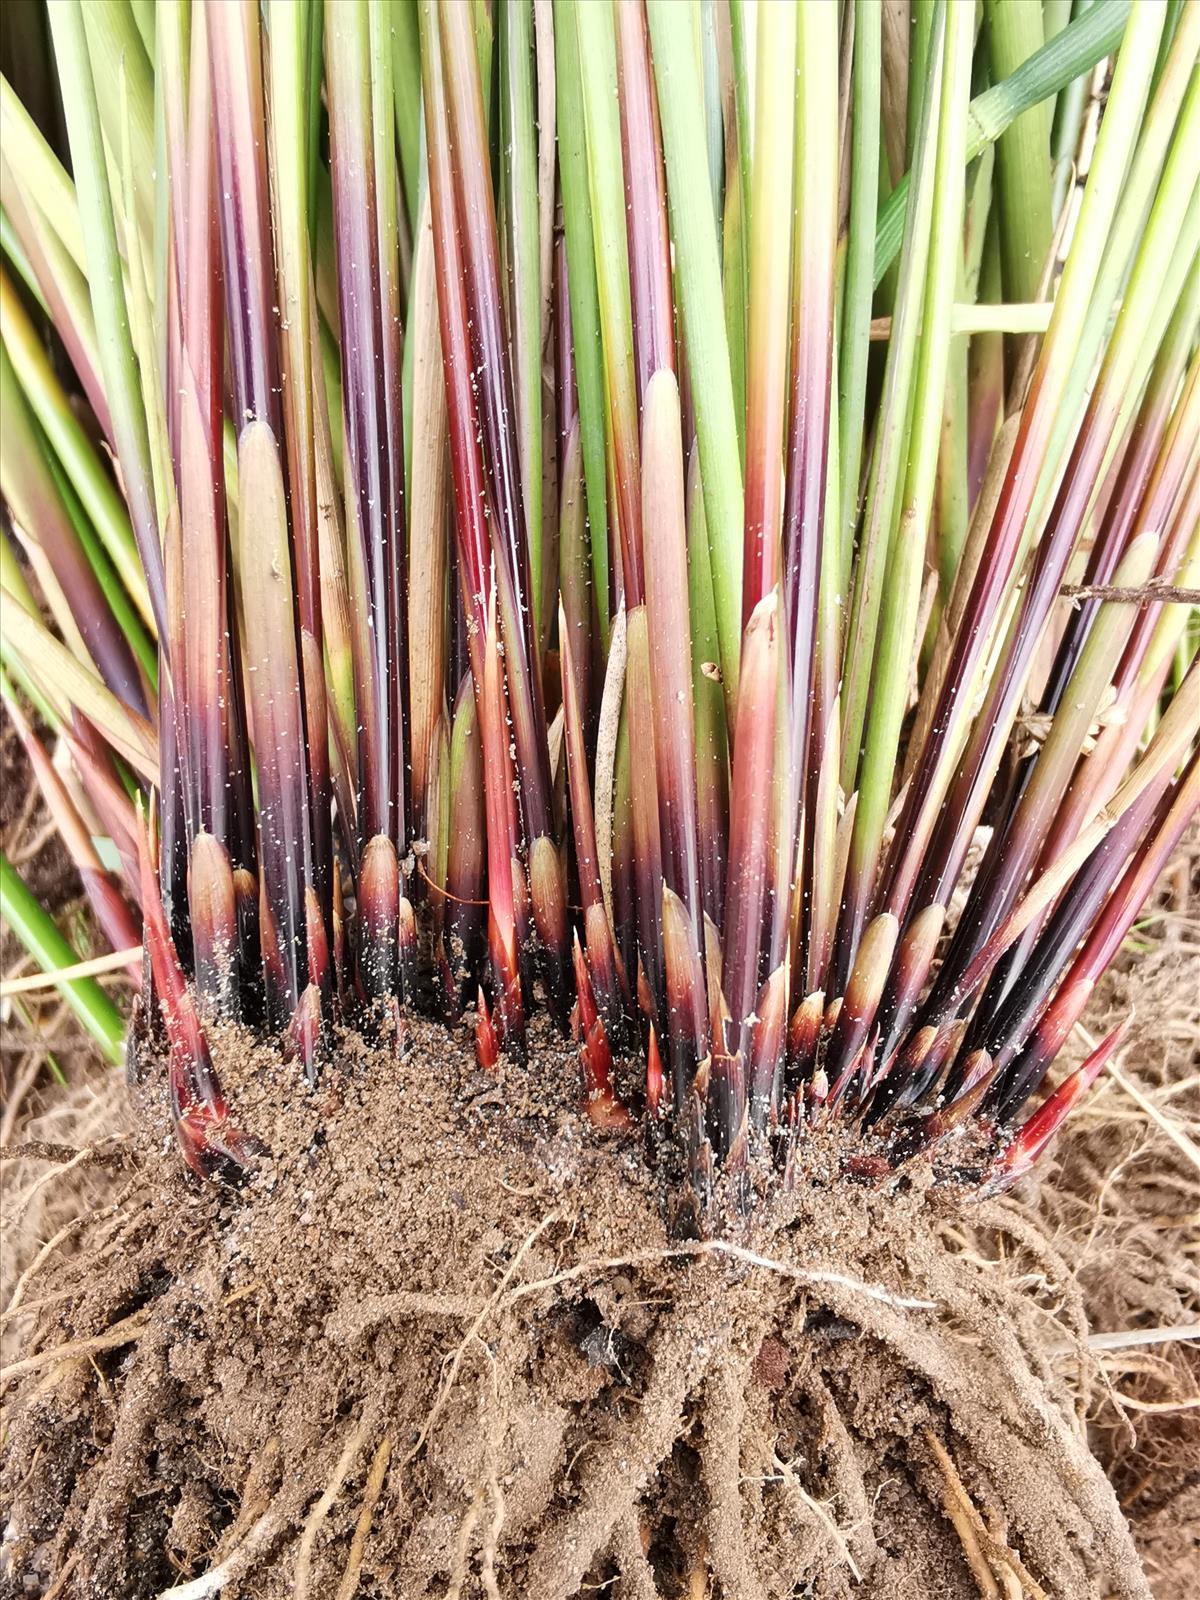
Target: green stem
901 603
40 936
520 246
698 273
1015 32
118 362
58 421
860 261
585 312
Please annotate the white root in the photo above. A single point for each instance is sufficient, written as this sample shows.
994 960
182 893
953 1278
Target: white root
836 1537
722 1247
216 1578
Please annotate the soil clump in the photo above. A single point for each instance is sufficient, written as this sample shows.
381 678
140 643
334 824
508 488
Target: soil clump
447 1344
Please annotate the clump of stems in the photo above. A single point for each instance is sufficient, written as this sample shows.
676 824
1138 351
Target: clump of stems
476 555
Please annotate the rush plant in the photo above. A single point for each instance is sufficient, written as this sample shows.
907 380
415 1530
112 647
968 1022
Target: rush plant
612 509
